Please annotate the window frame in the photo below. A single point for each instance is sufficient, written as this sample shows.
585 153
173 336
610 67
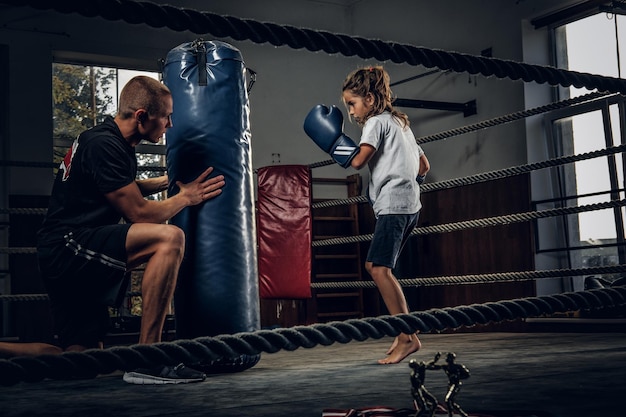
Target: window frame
565 193
143 148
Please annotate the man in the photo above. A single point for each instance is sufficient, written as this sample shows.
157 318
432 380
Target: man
85 252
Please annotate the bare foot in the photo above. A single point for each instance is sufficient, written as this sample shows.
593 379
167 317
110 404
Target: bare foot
392 347
394 344
401 348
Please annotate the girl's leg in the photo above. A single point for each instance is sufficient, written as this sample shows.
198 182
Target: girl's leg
391 292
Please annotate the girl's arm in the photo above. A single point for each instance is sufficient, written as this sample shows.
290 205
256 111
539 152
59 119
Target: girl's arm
424 165
362 158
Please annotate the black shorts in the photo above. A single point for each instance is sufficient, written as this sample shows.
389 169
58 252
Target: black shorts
84 275
390 234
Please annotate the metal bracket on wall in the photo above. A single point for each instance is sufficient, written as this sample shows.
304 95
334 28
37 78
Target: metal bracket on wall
468 109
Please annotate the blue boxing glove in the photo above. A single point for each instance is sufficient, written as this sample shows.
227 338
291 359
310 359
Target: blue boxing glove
325 126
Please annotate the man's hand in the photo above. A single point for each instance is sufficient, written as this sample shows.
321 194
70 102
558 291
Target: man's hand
202 188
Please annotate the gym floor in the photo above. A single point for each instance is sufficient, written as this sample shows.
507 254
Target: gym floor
542 374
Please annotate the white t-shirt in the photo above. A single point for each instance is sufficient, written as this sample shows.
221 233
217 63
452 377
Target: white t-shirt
393 188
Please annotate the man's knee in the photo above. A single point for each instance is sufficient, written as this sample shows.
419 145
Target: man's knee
144 241
176 235
174 239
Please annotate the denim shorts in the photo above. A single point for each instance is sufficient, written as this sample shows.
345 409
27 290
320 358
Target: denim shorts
390 234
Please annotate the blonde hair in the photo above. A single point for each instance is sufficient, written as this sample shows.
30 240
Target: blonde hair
374 81
142 92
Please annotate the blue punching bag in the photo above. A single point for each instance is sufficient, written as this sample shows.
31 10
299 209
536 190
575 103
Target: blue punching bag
217 289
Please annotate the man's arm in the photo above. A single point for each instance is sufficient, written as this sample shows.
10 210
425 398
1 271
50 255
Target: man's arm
150 186
130 202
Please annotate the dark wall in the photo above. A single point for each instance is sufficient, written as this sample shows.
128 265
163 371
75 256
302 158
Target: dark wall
480 250
30 320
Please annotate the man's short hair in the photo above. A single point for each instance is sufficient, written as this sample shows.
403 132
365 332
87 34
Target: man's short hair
142 92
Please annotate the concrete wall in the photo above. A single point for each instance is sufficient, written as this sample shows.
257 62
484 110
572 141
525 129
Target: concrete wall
291 81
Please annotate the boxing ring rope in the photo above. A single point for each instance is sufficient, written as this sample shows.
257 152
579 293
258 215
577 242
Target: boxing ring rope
484 222
482 177
522 114
448 227
417 282
95 362
27 164
24 297
427 187
181 19
487 176
91 363
500 120
24 210
478 278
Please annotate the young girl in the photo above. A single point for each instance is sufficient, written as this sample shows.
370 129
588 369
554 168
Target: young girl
397 166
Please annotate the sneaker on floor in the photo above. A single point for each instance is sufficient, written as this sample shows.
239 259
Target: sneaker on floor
178 374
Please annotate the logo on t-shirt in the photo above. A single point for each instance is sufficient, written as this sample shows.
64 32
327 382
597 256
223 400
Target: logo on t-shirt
66 164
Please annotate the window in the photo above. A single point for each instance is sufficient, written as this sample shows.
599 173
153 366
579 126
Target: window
82 97
593 238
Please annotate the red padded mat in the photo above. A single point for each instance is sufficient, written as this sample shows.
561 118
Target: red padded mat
284 231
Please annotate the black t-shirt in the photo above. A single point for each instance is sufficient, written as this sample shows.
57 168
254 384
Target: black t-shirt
99 161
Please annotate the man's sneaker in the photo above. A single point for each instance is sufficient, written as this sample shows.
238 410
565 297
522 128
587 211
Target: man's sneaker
164 375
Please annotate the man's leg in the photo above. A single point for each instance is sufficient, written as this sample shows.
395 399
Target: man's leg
161 247
11 350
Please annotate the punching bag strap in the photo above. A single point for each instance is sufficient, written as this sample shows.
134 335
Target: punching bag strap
200 51
252 79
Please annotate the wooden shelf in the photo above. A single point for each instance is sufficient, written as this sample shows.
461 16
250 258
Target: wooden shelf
340 314
339 256
333 219
355 276
322 237
342 181
339 294
342 263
